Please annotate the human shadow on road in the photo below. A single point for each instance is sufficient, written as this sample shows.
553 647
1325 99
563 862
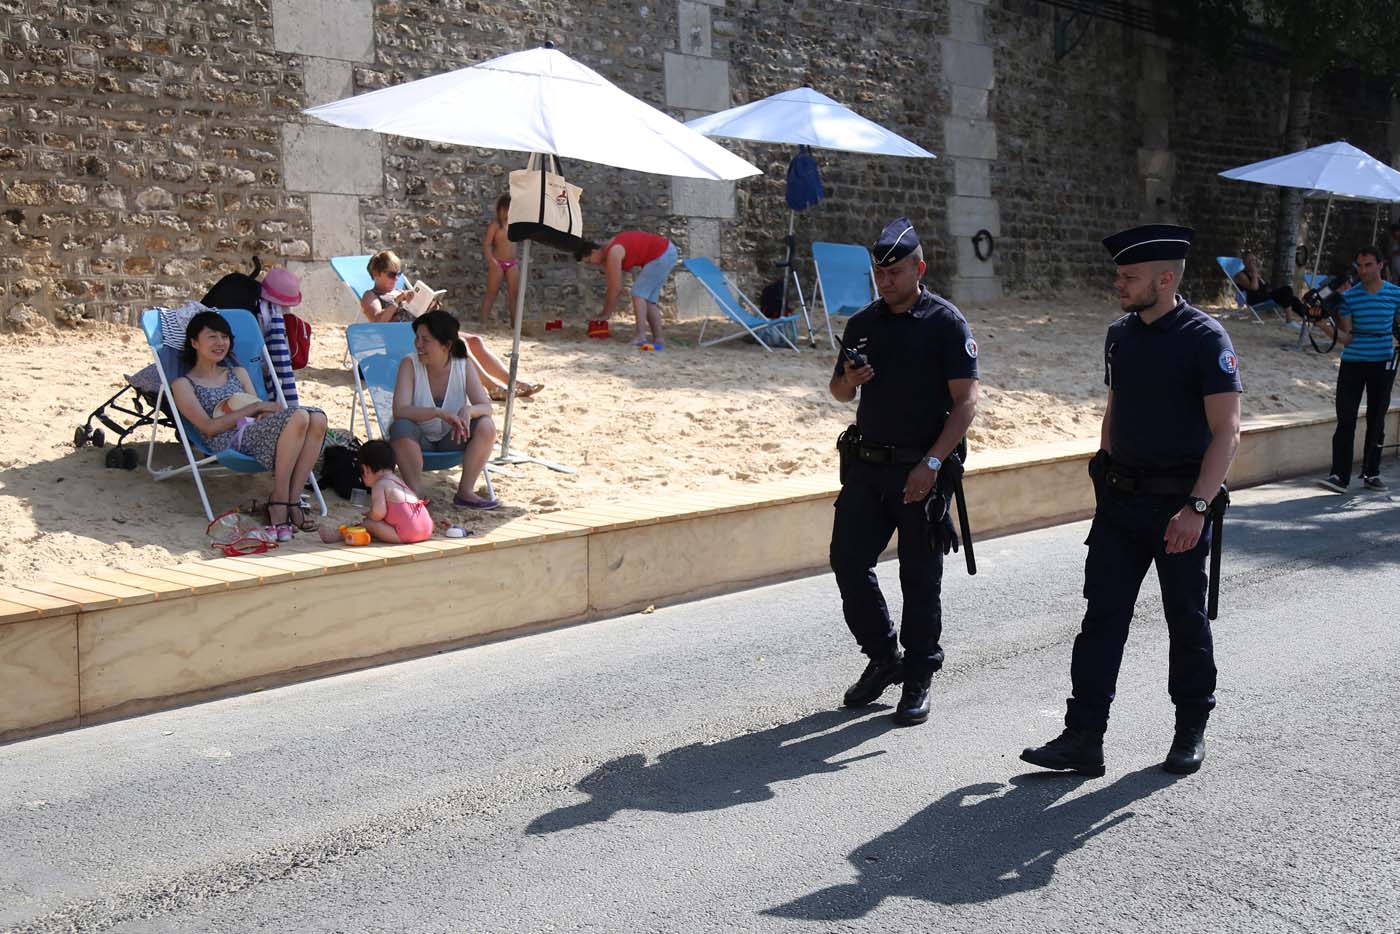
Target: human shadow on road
957 851
712 776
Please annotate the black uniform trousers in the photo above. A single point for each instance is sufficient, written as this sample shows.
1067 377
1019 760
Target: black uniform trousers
1354 379
869 509
1124 540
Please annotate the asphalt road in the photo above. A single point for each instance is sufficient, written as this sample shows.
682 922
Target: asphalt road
688 770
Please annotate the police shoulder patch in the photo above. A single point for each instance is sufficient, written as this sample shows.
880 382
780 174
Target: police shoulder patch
1229 363
971 348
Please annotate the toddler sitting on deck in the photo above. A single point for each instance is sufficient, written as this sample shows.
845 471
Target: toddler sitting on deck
396 515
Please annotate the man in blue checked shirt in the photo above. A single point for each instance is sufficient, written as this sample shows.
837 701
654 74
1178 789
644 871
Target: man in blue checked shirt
1365 328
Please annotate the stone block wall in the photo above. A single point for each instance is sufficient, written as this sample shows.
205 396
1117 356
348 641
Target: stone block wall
139 153
1069 134
148 147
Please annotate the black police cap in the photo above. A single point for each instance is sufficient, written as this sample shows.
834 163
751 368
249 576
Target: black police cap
1149 243
896 241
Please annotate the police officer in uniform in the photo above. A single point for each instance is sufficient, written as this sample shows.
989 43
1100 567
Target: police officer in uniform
911 358
1170 430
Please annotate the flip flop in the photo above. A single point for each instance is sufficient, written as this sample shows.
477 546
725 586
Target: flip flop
526 390
499 394
482 504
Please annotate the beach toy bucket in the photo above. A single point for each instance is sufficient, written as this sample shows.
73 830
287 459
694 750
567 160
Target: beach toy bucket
354 534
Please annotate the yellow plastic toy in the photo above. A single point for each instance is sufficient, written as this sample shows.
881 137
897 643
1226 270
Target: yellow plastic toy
354 534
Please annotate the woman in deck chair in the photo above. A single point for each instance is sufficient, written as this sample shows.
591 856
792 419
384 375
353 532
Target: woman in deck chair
284 441
441 405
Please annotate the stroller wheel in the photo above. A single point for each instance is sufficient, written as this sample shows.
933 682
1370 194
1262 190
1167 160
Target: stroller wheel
129 459
80 436
98 438
113 458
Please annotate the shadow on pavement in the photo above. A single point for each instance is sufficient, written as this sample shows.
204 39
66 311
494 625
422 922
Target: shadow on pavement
959 851
712 776
1320 529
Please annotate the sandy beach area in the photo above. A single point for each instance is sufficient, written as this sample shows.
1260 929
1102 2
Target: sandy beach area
686 419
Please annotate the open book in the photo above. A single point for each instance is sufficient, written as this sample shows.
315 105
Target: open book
421 298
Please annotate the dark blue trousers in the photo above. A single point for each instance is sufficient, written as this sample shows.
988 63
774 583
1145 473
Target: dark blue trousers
1124 541
869 509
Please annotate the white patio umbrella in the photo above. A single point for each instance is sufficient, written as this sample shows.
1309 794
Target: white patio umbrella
537 101
805 117
1336 170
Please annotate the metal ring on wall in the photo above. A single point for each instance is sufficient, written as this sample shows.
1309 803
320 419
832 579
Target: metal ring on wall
981 238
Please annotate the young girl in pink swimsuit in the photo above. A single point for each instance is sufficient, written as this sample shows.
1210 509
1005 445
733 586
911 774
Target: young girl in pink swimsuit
501 261
396 516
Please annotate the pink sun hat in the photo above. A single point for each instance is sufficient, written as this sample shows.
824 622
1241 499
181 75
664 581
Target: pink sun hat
281 287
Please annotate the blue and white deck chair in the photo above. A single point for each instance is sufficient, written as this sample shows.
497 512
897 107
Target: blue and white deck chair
845 280
376 351
249 352
733 303
1231 266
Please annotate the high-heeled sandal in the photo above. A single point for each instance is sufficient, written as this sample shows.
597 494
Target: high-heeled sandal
305 523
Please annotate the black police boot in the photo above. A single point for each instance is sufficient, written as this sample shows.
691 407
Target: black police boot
1073 750
1188 750
878 675
913 703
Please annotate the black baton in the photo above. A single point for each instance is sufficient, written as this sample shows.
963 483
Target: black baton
1217 534
965 528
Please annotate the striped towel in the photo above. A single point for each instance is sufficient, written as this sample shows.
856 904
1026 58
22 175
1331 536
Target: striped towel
173 321
275 336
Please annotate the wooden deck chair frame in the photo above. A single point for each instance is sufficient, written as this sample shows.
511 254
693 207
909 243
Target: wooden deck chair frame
708 268
226 461
819 247
394 341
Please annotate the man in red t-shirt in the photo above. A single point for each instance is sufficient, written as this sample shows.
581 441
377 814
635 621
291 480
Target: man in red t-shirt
633 249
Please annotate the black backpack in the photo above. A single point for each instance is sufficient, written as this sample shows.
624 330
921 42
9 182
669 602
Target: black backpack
340 468
770 300
236 290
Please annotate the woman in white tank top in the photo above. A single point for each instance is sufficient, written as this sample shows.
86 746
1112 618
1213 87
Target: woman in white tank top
441 405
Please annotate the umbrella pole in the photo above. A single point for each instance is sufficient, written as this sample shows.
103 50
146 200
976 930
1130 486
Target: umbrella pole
788 270
507 456
518 315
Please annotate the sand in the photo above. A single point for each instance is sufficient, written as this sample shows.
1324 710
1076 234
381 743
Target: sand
685 419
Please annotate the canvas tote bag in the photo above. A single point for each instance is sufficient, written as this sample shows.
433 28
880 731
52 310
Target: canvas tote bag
544 207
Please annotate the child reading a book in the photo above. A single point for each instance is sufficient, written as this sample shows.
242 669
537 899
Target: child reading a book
384 302
501 261
396 515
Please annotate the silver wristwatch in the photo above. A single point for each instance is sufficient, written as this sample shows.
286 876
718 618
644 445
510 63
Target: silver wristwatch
933 462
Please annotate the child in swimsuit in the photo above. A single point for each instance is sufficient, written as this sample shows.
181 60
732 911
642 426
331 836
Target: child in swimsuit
396 515
501 261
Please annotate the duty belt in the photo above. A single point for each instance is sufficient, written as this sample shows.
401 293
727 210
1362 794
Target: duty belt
1149 486
889 454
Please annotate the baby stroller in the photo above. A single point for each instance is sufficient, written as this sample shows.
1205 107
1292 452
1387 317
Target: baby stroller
136 400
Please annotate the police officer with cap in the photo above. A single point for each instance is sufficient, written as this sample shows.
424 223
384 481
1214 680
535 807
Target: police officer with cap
911 358
1170 429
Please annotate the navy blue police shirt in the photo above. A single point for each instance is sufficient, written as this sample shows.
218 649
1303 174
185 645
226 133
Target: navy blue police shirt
914 356
1160 374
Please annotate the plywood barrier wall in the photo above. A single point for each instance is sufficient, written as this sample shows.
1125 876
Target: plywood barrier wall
84 649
